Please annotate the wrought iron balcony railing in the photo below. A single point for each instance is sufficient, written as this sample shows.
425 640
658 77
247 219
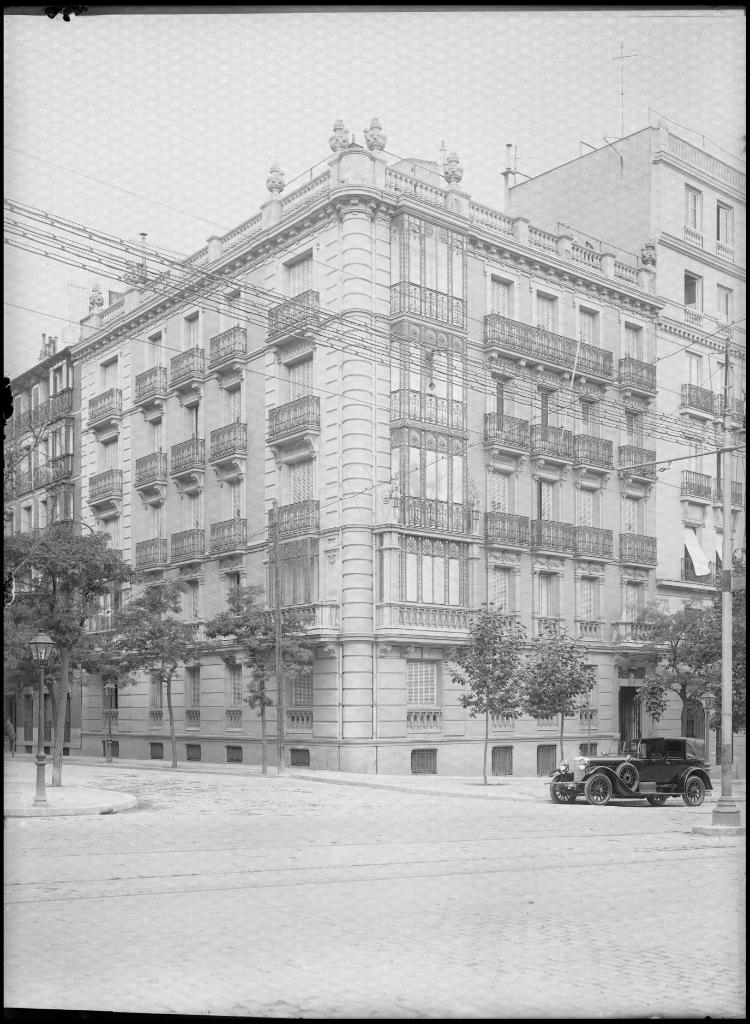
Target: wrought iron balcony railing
301 311
507 431
105 485
301 415
228 440
105 406
150 469
188 545
697 399
640 461
151 383
637 374
696 485
426 302
228 535
228 345
149 553
24 481
594 542
737 492
188 455
424 408
522 339
548 535
21 422
187 366
593 451
635 547
56 406
299 518
431 514
689 575
53 470
554 441
506 528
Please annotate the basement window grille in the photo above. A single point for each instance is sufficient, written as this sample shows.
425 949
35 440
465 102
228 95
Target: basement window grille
157 751
502 760
546 758
299 758
424 762
234 755
193 751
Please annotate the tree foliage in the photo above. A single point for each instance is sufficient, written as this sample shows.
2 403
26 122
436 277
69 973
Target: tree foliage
488 666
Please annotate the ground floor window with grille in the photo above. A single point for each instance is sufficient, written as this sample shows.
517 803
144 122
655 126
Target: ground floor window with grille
546 758
299 758
114 747
157 751
193 752
421 684
588 749
424 762
234 755
302 686
502 760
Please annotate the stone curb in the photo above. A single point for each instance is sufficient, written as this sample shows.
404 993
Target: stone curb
64 802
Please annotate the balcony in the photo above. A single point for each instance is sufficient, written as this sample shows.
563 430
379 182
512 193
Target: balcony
53 470
696 485
192 718
151 471
228 350
99 623
693 317
151 554
636 549
504 722
294 318
21 422
298 720
426 302
736 409
689 575
638 463
105 488
54 408
593 542
424 720
105 411
589 629
442 516
151 386
589 717
156 718
554 443
637 376
506 529
435 618
321 618
506 433
547 535
289 422
233 718
736 496
693 236
187 369
188 546
423 408
521 341
595 452
298 519
24 481
724 251
228 536
697 401
229 447
188 462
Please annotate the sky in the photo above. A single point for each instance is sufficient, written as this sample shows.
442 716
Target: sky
168 123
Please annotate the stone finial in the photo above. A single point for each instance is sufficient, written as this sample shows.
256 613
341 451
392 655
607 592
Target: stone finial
275 179
648 255
340 138
452 169
96 299
374 135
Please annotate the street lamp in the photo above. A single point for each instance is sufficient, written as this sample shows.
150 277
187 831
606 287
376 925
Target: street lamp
109 689
41 648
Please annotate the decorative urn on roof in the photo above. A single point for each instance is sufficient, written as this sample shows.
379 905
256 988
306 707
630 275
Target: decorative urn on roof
452 169
374 135
96 299
275 179
340 138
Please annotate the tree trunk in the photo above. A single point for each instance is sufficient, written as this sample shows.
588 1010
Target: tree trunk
171 721
486 740
60 704
562 730
263 745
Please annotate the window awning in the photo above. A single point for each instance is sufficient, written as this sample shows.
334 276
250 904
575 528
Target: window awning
695 551
711 542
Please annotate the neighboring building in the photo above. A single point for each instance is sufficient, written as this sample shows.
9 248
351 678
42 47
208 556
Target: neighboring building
42 471
681 206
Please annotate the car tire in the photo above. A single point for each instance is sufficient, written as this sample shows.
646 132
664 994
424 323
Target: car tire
657 801
694 792
598 790
627 773
561 794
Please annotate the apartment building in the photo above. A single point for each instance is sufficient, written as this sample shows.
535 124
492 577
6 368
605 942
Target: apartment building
42 470
443 403
677 201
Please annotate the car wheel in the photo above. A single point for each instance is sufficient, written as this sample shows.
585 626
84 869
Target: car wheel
598 790
657 801
561 794
695 791
628 775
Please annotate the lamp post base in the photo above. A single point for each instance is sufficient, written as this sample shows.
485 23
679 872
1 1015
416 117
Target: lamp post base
40 797
726 812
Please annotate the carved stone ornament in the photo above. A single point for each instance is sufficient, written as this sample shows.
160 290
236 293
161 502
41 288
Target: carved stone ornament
384 650
96 299
340 138
648 255
327 651
275 179
408 651
452 169
634 574
548 565
506 558
374 136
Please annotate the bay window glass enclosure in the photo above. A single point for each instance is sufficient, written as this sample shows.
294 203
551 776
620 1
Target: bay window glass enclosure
429 465
434 571
429 270
421 684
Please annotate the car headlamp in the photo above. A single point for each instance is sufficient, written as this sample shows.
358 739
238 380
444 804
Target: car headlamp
583 763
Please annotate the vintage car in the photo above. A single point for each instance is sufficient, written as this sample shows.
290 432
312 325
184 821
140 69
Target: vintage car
651 769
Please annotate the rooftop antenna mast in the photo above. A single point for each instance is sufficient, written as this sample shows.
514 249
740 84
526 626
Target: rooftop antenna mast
622 58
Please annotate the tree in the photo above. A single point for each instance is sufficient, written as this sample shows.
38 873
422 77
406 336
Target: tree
489 667
59 580
148 637
249 627
555 679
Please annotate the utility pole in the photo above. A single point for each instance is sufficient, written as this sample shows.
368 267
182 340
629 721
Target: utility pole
280 696
622 58
726 811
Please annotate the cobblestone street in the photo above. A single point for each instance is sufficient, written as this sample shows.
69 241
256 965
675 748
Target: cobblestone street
229 893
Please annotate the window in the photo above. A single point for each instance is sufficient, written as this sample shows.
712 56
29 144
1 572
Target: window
155 435
547 499
724 303
588 507
233 583
193 687
300 275
233 404
503 403
299 757
191 335
421 684
424 762
192 751
548 589
501 589
234 673
502 760
109 455
589 326
634 433
153 350
192 512
235 499
191 603
633 342
155 521
42 513
694 292
434 571
302 687
589 418
546 312
300 379
500 492
501 297
111 529
191 421
587 598
109 374
430 466
724 224
58 380
156 692
234 755
545 407
298 573
301 481
693 209
157 751
634 601
633 515
231 310
546 758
